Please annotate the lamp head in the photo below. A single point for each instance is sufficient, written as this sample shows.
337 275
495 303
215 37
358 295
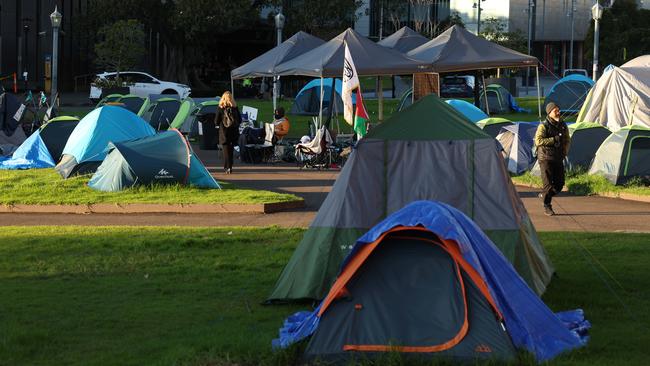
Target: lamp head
55 18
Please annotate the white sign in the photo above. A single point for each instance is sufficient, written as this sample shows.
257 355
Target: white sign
251 112
19 113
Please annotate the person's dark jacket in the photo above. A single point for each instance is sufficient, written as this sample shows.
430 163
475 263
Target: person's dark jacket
552 140
228 135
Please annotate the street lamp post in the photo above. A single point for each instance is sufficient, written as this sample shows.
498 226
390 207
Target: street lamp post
531 4
572 14
477 6
279 24
596 14
55 18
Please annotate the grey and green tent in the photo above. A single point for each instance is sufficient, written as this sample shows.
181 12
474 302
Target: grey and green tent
492 126
134 103
625 154
191 109
497 99
426 152
162 112
586 138
111 98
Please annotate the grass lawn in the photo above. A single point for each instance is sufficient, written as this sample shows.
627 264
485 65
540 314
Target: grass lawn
585 184
45 186
191 296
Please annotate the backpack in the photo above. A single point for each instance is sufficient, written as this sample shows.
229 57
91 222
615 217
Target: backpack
228 118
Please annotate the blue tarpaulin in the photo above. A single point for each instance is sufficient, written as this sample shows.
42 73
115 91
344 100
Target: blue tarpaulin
531 324
32 153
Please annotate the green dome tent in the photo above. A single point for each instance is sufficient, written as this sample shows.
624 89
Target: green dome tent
426 152
164 158
625 154
134 103
492 126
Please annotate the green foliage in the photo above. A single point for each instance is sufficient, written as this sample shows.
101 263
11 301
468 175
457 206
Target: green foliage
121 47
45 186
624 34
323 19
494 30
192 296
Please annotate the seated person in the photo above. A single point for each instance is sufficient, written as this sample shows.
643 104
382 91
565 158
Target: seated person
280 124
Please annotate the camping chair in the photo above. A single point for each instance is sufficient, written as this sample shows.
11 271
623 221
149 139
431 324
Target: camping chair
316 154
267 148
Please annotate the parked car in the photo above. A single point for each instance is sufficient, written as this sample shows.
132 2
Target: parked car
457 86
568 72
140 84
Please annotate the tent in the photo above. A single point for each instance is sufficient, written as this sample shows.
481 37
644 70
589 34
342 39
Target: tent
370 59
499 100
428 151
164 158
492 126
134 103
467 109
111 98
569 93
11 136
404 40
428 283
456 49
162 112
518 141
265 64
621 97
187 123
624 155
586 138
86 146
307 102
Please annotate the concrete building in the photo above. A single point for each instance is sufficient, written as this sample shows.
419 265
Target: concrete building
551 34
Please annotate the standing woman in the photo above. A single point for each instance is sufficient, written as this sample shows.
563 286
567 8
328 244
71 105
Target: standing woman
228 119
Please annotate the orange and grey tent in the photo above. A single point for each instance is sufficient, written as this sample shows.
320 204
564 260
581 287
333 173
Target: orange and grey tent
427 283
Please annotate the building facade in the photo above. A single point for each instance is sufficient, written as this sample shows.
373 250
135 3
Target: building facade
556 25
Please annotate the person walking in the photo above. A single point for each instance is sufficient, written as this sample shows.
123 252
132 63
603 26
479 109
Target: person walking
552 142
228 120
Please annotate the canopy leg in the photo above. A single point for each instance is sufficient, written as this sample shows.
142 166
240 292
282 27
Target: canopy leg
487 106
380 99
320 112
539 105
232 87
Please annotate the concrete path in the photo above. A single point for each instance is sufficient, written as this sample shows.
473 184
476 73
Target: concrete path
575 213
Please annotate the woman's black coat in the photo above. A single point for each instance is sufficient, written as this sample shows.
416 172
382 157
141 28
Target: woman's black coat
228 135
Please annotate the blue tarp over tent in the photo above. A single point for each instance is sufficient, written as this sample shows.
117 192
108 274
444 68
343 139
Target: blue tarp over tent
307 100
87 145
532 326
32 153
467 109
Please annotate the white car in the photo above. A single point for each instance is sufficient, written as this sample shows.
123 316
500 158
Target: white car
142 85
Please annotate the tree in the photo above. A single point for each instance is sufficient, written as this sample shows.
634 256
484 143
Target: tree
322 18
122 46
624 34
493 30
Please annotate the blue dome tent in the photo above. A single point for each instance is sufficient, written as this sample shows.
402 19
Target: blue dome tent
569 93
307 100
468 110
86 146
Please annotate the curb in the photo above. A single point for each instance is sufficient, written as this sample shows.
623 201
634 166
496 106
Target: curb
620 195
140 208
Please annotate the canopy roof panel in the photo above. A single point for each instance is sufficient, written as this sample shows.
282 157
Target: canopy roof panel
404 40
459 50
265 64
370 59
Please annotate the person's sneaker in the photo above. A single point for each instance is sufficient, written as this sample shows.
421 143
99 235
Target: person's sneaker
548 211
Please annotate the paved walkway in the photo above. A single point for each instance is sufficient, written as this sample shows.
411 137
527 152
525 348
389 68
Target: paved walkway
575 213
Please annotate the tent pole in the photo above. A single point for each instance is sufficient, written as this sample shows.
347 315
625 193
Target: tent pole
320 112
539 106
332 102
380 97
487 106
232 87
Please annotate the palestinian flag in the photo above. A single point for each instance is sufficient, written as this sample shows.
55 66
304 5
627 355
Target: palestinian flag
361 116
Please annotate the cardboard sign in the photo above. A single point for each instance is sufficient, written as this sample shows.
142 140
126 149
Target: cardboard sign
19 113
